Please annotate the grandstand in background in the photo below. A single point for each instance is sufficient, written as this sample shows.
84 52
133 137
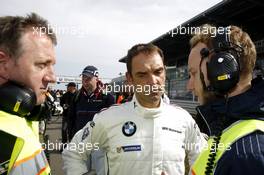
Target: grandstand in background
247 14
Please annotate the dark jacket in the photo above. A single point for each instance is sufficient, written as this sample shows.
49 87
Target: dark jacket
247 154
65 102
84 107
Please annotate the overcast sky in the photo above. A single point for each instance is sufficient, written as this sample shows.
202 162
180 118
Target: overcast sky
99 32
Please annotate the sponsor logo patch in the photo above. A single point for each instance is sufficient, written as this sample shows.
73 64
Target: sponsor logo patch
170 129
85 133
92 124
129 128
129 148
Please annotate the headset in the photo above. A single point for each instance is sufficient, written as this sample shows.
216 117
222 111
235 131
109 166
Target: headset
19 100
223 68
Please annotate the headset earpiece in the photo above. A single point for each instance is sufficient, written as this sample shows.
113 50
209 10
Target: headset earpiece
223 67
21 101
222 72
17 99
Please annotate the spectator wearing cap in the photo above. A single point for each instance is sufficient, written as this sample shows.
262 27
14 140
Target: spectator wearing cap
89 100
65 102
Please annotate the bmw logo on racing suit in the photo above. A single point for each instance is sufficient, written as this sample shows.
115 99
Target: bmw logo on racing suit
129 128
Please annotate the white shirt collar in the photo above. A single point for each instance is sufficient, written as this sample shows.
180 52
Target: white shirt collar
147 112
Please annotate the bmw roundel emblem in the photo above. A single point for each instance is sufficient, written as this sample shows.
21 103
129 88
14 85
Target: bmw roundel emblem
129 128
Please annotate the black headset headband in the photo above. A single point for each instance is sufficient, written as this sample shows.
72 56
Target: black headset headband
222 40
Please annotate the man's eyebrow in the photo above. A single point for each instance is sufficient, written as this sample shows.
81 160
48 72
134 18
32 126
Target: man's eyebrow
47 61
141 73
159 69
44 62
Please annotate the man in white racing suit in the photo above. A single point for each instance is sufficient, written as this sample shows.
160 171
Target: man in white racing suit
145 136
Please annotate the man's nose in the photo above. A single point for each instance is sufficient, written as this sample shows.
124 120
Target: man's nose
50 76
152 79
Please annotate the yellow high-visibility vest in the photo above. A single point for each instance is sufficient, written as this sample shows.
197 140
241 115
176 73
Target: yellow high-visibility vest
21 147
228 137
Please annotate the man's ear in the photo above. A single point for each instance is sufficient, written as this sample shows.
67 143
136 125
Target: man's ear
4 60
129 78
204 71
